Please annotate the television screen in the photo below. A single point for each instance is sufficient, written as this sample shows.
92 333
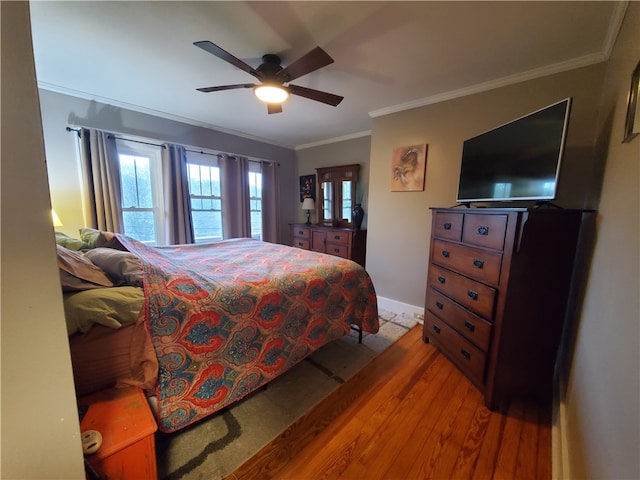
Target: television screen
516 161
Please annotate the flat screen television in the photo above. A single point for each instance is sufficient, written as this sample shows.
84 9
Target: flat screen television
519 160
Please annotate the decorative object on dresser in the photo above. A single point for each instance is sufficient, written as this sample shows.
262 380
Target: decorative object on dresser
342 242
357 216
497 291
308 205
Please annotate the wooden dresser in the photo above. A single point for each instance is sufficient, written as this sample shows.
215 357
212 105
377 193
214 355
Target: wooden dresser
497 290
341 242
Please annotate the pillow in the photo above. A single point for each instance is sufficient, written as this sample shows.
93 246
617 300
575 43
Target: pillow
111 307
78 272
122 268
98 238
70 243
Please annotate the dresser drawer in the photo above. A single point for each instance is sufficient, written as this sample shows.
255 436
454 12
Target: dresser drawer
464 354
469 325
338 237
480 264
484 230
448 225
301 243
475 296
338 250
301 232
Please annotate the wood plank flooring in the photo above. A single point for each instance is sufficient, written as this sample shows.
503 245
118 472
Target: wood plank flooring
410 414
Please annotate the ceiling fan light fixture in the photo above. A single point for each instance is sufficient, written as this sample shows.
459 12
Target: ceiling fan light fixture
271 93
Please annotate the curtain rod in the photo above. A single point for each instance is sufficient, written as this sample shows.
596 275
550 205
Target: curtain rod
202 152
77 130
124 139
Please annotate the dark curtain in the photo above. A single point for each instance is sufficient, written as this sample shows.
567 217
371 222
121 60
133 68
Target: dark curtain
234 177
270 203
102 195
177 202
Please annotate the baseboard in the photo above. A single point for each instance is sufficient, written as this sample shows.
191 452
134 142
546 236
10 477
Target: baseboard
559 440
400 308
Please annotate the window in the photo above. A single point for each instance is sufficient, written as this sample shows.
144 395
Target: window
255 199
141 183
142 194
206 201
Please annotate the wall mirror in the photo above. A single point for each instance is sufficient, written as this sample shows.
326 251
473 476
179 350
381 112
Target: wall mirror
337 186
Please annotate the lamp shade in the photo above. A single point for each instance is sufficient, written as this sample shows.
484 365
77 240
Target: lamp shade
308 204
55 218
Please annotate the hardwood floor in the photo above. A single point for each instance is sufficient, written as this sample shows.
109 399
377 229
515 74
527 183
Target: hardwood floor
410 414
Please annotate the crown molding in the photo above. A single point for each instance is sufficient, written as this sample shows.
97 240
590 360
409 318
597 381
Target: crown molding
614 27
490 85
351 136
615 24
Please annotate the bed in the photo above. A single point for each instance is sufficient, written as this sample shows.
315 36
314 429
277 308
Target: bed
212 323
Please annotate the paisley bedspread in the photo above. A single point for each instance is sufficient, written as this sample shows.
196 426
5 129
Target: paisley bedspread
225 318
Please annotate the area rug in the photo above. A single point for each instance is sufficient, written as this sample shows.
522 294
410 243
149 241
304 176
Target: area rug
216 446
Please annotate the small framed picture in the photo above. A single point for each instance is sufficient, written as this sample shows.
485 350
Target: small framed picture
408 167
632 124
307 187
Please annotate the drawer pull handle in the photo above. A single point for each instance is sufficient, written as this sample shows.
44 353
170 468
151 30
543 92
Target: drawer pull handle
469 326
336 250
300 244
447 226
465 354
439 305
441 279
336 237
483 230
472 295
445 253
436 329
300 232
478 263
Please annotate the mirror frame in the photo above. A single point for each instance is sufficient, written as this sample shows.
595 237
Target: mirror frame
336 175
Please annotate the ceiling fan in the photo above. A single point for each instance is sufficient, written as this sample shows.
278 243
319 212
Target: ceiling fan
273 76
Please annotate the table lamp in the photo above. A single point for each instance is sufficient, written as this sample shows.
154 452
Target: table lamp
308 204
55 219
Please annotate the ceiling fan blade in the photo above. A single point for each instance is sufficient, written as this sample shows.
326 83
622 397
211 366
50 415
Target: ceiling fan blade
274 108
227 57
315 59
317 95
225 87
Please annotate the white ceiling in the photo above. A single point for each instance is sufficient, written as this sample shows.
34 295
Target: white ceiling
389 56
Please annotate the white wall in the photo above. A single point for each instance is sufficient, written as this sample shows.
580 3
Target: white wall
603 393
40 436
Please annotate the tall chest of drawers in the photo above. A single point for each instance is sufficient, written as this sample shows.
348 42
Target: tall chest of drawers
341 242
498 285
